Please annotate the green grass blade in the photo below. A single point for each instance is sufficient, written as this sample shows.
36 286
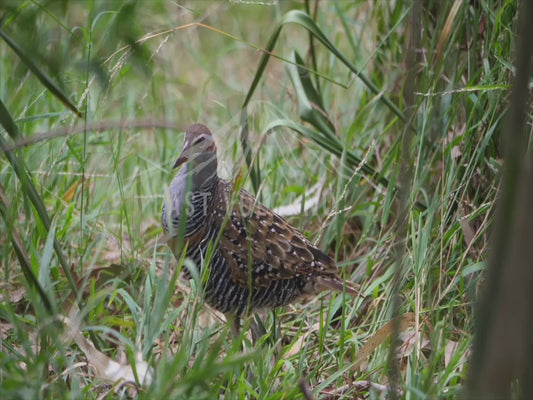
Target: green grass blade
255 175
330 144
310 105
7 122
46 271
24 260
304 20
31 192
40 74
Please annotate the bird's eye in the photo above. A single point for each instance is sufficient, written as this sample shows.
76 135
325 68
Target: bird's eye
198 140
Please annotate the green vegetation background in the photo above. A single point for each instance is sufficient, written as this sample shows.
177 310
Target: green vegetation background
385 141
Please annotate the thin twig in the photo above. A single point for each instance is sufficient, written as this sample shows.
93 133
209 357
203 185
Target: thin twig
100 126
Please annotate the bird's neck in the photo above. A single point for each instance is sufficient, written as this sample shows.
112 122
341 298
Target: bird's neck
192 191
203 171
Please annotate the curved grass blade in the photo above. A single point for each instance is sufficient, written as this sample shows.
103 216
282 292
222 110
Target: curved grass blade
312 111
40 74
333 145
310 105
7 122
304 20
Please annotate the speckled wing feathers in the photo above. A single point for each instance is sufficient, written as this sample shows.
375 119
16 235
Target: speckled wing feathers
260 246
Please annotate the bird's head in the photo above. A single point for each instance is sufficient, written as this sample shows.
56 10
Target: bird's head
199 145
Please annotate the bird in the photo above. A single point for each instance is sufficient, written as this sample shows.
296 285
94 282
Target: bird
257 261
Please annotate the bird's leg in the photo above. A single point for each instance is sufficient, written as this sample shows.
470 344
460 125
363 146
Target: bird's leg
257 326
257 329
235 322
236 325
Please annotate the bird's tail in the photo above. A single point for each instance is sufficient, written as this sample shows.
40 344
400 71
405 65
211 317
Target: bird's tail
338 285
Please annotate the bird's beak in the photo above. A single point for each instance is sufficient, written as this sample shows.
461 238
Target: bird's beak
183 157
